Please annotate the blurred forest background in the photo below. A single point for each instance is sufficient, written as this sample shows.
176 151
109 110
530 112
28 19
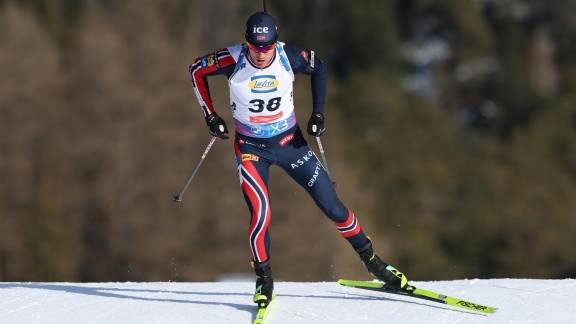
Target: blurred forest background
451 131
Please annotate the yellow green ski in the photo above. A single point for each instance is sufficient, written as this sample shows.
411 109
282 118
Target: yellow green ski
263 311
412 291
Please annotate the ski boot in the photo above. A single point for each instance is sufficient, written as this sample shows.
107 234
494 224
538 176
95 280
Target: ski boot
264 284
393 278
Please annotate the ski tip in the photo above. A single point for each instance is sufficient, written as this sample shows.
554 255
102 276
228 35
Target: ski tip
348 281
491 310
373 285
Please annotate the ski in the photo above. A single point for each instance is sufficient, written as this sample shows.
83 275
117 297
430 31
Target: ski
419 293
263 311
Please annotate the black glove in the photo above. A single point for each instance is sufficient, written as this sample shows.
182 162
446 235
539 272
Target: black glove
316 124
217 126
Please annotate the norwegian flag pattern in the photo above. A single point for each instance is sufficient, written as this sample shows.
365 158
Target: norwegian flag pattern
256 193
350 227
211 64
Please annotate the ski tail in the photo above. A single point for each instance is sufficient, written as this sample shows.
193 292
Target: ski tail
412 291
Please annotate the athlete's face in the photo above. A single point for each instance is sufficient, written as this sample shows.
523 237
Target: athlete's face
261 56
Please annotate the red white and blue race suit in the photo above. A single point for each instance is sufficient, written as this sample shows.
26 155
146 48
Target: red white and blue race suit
267 133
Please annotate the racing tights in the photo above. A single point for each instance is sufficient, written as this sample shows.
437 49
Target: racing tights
290 151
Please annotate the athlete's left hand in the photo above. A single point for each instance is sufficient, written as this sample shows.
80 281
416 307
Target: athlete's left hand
316 124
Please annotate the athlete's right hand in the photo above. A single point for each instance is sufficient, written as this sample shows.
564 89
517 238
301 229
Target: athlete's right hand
217 126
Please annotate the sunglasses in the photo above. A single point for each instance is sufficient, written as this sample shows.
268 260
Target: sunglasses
261 49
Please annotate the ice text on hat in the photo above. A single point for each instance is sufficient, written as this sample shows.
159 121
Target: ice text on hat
260 30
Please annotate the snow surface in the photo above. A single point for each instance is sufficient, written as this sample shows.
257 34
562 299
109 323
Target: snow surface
518 300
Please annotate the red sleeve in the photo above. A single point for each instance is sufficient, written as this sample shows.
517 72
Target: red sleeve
220 62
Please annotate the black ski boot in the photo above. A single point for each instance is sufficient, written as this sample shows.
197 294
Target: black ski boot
393 278
264 284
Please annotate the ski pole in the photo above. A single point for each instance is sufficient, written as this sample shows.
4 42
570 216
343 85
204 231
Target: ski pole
178 198
324 159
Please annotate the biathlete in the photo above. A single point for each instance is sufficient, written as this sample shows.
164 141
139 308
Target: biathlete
260 75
